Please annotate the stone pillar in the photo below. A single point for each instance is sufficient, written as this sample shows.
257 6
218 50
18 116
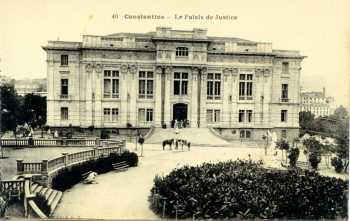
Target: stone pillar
65 159
88 94
194 98
20 167
203 98
159 98
97 96
234 98
167 113
226 93
124 95
44 167
133 94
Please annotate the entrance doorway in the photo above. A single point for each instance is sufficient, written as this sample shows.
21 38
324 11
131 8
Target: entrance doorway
179 112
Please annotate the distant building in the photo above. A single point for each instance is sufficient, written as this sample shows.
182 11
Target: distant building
244 87
317 103
6 80
31 86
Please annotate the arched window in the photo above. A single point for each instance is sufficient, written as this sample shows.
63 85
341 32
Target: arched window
181 52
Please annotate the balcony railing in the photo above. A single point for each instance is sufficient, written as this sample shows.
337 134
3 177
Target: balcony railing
109 95
284 100
145 96
213 97
242 98
64 96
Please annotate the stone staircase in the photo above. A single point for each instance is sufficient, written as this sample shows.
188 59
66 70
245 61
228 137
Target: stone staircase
197 136
51 196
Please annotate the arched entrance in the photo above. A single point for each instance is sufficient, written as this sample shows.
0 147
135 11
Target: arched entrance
180 112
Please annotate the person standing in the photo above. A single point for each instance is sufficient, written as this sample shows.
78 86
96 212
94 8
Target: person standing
141 140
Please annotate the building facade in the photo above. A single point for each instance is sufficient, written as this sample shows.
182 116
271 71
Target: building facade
142 80
317 103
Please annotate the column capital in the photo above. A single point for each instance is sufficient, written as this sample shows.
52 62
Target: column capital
123 68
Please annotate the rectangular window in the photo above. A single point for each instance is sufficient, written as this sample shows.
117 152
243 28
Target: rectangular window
284 115
245 87
64 113
214 86
149 115
115 114
142 114
64 59
284 134
245 134
216 115
249 115
213 116
145 84
285 67
180 83
284 95
241 116
111 84
181 52
209 116
64 88
106 114
145 115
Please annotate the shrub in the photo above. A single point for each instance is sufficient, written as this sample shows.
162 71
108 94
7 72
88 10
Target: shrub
104 134
244 189
314 160
131 158
337 163
41 202
293 156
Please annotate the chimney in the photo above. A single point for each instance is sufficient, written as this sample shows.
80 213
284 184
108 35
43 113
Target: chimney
324 92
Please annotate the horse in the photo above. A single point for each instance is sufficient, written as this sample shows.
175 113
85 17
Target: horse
168 142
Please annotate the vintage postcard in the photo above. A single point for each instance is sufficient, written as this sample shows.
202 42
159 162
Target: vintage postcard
151 110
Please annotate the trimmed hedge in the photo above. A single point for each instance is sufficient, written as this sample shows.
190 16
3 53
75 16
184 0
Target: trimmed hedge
244 189
73 175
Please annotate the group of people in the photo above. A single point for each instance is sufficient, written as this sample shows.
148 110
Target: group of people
180 123
177 142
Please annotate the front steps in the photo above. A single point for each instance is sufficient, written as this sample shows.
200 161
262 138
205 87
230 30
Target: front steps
197 136
52 197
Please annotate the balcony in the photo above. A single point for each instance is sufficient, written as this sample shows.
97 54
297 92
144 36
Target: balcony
64 96
213 97
110 95
144 96
248 98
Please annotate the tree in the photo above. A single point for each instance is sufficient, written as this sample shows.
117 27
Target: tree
313 150
34 110
293 156
10 108
282 145
341 117
306 120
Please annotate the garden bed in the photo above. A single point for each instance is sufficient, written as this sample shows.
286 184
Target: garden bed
245 189
67 178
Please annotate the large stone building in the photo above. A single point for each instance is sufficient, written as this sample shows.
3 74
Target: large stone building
241 86
317 103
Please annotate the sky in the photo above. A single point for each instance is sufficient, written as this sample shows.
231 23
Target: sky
319 29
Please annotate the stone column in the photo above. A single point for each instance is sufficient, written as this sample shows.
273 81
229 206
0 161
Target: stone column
234 97
97 96
167 109
133 94
203 98
226 93
159 98
194 98
124 94
88 95
20 167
